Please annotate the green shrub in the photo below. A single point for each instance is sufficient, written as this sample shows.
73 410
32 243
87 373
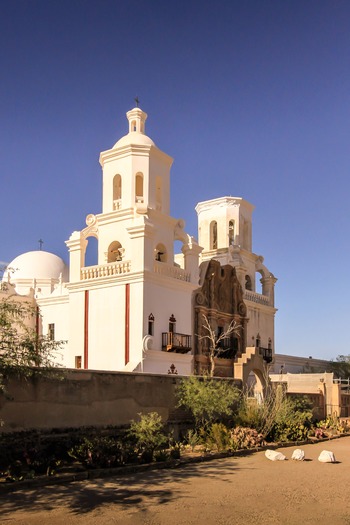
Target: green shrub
98 452
218 437
192 438
291 424
250 414
209 400
175 451
148 435
333 425
161 455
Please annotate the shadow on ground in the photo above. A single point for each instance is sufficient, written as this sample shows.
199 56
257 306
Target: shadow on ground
138 490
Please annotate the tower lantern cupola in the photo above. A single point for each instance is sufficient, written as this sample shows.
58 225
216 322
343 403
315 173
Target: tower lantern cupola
136 174
137 119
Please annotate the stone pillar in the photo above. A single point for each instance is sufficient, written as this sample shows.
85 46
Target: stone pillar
142 254
268 288
191 253
77 246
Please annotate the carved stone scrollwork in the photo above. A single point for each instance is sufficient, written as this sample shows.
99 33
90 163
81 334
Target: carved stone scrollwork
90 219
220 299
242 309
200 299
147 343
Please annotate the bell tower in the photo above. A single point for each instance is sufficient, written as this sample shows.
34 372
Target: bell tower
126 299
225 232
136 174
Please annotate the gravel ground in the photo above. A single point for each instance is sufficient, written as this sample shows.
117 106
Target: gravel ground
237 490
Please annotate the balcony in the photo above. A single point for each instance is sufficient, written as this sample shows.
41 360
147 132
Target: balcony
171 271
256 297
105 270
266 354
173 342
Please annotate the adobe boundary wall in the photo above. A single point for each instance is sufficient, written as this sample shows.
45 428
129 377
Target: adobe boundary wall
84 398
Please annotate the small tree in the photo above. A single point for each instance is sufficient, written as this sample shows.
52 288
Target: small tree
214 340
148 434
22 350
209 400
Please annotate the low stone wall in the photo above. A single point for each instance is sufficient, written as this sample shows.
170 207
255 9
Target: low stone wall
87 398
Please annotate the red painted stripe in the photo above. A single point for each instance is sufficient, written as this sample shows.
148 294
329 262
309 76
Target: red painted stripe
127 321
37 318
37 329
86 330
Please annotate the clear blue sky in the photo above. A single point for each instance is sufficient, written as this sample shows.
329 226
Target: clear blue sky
251 98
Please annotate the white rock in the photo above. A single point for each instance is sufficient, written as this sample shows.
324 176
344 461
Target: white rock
274 456
298 454
326 456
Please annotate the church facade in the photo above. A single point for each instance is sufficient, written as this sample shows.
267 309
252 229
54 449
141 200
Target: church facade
141 307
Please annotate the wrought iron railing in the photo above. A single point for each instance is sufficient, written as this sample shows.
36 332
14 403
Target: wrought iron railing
266 354
174 342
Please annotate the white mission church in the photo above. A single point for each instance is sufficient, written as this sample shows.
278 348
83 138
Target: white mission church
141 307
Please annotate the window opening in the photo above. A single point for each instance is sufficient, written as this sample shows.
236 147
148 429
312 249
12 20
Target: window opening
158 193
51 331
151 324
139 188
213 235
91 251
115 252
117 192
231 233
160 253
248 283
172 324
78 361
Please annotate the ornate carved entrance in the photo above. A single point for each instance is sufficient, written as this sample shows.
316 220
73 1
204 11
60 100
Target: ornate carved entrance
220 300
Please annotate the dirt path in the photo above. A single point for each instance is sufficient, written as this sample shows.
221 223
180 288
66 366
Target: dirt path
234 491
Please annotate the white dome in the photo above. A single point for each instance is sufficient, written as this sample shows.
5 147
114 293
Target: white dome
37 265
134 137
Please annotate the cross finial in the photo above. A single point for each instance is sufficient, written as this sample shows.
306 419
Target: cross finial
41 242
137 101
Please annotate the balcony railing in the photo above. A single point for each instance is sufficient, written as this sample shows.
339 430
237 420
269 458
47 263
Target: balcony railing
266 354
171 271
256 297
173 342
105 270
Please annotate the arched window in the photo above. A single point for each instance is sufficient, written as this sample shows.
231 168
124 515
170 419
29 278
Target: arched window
158 193
231 233
213 235
133 125
257 341
115 252
139 187
160 253
91 251
258 282
248 283
151 324
117 192
172 324
246 236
